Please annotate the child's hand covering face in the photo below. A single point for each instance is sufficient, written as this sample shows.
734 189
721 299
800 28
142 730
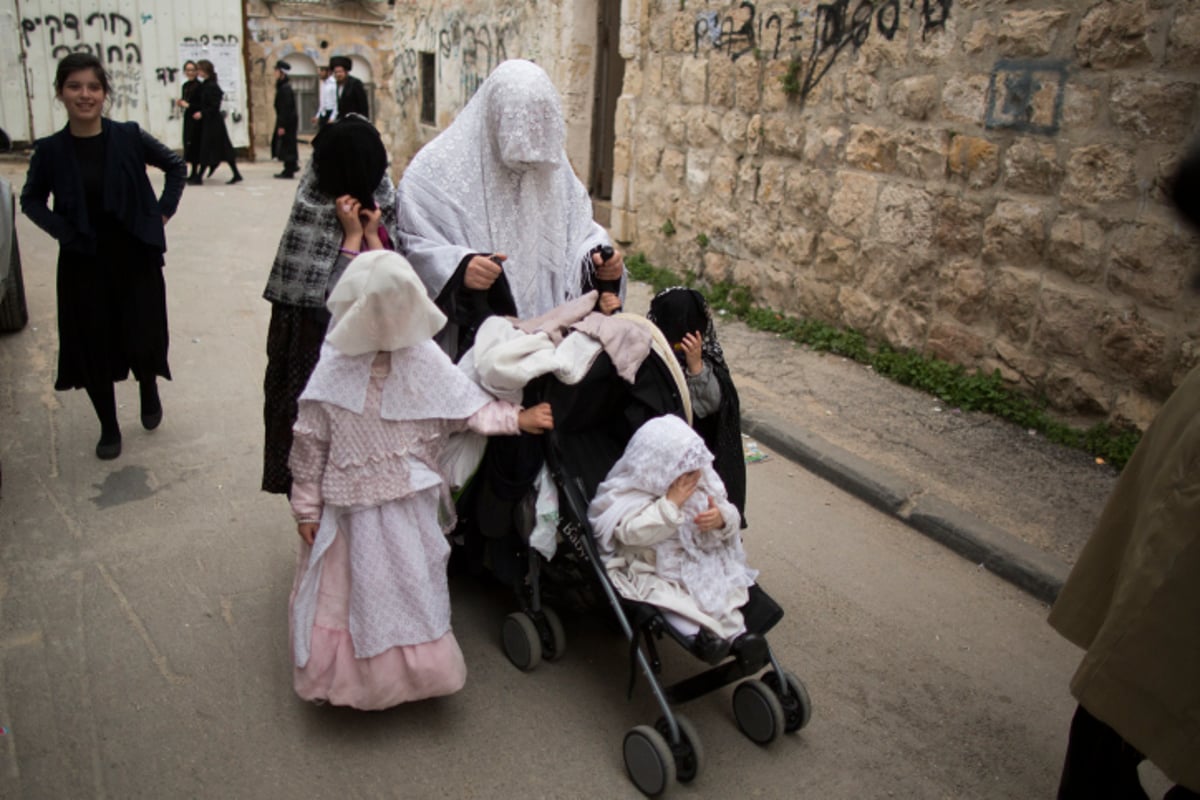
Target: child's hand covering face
693 348
682 487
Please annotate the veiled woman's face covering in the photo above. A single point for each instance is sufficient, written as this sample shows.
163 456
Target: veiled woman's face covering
524 117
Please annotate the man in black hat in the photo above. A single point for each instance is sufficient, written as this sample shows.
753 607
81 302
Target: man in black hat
352 95
287 123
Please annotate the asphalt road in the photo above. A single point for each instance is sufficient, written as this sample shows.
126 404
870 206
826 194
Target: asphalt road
143 627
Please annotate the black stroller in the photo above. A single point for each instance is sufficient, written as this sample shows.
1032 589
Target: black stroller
594 420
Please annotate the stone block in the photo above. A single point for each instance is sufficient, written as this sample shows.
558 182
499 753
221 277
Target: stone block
955 343
774 98
754 135
716 267
975 160
777 288
1082 105
1079 391
1026 368
760 237
1183 39
1153 108
1114 34
871 149
734 125
965 99
934 45
853 206
859 310
720 82
783 134
622 155
962 290
915 97
1031 165
905 216
744 272
1014 298
816 299
796 244
723 177
904 328
1029 34
808 190
683 32
861 92
921 154
836 259
822 150
959 227
1067 322
674 166
1137 347
703 127
1015 234
693 80
675 131
747 73
1075 247
981 37
1134 408
772 179
1099 173
1150 262
620 191
698 162
748 182
649 159
672 69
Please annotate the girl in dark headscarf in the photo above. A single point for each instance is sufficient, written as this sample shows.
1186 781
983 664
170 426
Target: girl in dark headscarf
687 323
345 181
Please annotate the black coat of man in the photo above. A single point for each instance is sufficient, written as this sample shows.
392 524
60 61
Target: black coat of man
287 123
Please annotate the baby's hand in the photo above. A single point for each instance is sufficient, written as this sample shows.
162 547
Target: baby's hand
537 419
682 487
307 531
609 303
693 347
710 519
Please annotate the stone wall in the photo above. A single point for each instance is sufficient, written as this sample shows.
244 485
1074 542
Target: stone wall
319 31
982 181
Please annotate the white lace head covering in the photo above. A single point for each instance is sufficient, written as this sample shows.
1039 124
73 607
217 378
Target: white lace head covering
379 305
497 180
706 566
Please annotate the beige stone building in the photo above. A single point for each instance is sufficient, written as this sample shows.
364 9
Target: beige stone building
981 180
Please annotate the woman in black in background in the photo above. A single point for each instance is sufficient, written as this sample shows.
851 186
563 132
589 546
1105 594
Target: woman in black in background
215 146
112 304
189 96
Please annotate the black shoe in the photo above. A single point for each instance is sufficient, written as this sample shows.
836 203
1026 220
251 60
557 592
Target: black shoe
152 412
235 179
195 180
109 446
285 175
211 170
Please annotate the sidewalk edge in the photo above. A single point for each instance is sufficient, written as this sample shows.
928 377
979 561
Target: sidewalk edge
994 549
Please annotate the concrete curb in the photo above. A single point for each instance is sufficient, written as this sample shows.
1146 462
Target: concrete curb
994 549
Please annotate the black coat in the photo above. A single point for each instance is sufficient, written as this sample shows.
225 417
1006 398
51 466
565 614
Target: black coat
352 98
283 147
215 145
190 94
128 195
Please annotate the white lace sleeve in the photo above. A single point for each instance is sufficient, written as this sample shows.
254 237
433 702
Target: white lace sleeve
659 520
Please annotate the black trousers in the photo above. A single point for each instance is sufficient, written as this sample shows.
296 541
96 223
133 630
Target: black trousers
1101 765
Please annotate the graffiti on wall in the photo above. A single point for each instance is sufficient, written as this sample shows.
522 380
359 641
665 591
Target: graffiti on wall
406 79
1026 96
478 49
66 34
812 39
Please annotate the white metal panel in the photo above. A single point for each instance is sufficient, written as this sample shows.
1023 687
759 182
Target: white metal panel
143 44
14 107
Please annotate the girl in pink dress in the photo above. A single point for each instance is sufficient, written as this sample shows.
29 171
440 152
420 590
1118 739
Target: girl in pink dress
370 607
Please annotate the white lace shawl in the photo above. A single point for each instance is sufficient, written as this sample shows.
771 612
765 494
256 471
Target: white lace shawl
706 564
497 180
422 384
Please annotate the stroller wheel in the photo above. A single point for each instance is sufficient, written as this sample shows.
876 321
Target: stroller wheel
797 707
689 754
521 641
758 712
554 645
648 760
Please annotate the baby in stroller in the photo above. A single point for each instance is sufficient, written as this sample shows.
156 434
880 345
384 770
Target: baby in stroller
669 537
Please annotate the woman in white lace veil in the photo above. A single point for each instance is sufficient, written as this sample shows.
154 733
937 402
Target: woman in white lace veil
497 183
669 534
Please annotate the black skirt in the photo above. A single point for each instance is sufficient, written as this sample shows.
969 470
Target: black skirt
112 313
294 340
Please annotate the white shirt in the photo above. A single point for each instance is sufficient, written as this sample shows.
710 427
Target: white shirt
329 92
